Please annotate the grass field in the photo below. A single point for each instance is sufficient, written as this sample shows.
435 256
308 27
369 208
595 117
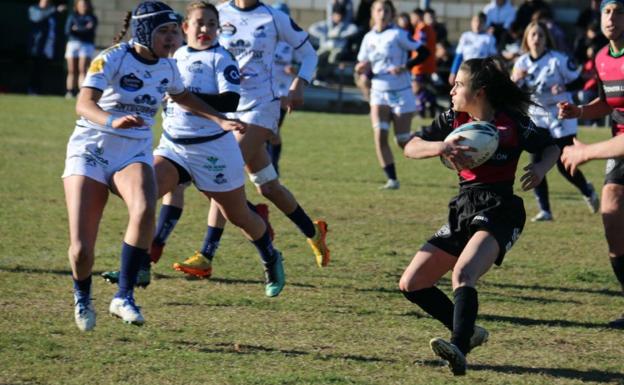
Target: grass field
545 308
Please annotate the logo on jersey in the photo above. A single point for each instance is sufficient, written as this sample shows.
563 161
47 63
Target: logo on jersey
444 231
195 67
227 30
238 47
130 83
164 84
146 99
295 26
231 74
220 179
147 74
97 65
212 159
259 32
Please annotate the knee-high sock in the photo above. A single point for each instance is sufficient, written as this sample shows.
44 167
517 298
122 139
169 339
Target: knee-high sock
464 317
303 222
578 179
435 303
617 263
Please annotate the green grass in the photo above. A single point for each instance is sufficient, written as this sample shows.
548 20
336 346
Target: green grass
347 324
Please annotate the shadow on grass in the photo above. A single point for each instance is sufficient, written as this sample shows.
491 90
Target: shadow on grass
231 348
541 322
30 270
573 374
563 373
554 288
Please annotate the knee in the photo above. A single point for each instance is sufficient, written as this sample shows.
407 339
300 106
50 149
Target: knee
461 277
409 283
269 190
81 253
142 209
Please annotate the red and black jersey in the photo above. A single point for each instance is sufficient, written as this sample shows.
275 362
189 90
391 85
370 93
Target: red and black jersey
516 133
611 86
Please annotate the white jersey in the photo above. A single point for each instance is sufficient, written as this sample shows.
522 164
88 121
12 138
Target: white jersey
251 35
476 45
542 74
130 85
284 56
385 50
211 71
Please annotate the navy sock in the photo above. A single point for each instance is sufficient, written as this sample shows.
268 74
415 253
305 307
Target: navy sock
464 317
146 262
131 258
82 289
541 193
433 301
211 242
617 263
167 219
390 171
303 221
265 249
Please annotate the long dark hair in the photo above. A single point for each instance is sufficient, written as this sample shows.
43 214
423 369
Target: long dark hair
124 29
500 91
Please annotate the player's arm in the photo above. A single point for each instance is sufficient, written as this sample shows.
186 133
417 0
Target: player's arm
87 107
596 109
579 153
194 104
536 140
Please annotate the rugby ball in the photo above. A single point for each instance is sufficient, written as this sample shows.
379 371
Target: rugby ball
481 136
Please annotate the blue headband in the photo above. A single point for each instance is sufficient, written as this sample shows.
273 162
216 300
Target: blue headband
604 3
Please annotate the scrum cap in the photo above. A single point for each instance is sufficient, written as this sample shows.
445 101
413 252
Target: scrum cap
147 17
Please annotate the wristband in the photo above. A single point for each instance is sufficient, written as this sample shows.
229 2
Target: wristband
109 121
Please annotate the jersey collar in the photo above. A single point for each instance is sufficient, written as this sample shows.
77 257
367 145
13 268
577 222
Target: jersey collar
233 5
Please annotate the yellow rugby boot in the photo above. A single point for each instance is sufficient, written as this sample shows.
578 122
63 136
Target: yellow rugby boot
196 265
318 245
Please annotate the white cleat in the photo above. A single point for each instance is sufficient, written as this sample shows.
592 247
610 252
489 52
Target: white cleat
84 314
451 354
542 216
391 184
126 309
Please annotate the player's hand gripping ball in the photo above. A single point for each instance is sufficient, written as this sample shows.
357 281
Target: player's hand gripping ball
481 136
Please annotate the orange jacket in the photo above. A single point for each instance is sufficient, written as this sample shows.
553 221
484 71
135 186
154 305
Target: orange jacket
425 34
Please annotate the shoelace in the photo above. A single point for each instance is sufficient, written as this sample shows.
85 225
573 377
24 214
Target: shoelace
130 301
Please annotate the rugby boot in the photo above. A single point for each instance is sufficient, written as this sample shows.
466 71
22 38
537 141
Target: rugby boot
144 277
197 265
127 310
451 354
318 244
542 216
84 314
263 211
275 277
479 337
391 184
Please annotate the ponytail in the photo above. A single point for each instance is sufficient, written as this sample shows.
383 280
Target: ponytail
502 93
124 29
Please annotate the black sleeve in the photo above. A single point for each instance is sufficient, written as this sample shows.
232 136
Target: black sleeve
439 129
532 138
575 85
225 102
423 53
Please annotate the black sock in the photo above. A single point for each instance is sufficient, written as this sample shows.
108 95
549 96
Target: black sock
617 263
303 221
435 303
464 317
578 179
211 242
390 171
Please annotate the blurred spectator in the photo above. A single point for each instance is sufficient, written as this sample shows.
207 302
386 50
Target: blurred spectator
80 31
404 22
42 40
591 36
439 28
510 43
499 14
546 16
475 43
347 5
444 61
421 73
590 80
525 12
333 40
589 15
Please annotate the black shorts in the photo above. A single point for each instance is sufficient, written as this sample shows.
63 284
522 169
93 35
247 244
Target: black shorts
614 172
501 215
